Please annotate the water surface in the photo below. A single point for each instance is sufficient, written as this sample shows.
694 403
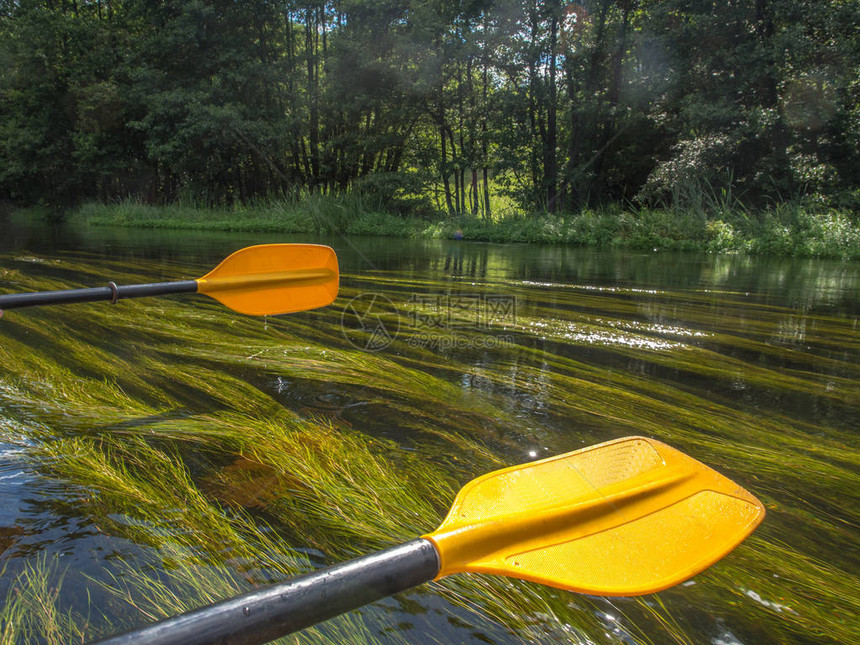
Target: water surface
140 441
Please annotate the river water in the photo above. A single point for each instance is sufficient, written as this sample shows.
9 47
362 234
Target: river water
439 360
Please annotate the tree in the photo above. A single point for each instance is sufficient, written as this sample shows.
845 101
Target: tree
559 105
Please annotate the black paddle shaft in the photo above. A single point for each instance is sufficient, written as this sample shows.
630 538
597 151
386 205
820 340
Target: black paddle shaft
111 293
262 616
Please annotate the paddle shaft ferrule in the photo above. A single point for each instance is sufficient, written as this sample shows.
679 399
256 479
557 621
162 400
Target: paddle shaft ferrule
110 293
262 616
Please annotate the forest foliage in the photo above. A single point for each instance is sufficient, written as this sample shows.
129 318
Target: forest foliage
431 105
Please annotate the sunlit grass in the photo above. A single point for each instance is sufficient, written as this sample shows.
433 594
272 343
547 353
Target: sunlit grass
787 229
308 213
203 551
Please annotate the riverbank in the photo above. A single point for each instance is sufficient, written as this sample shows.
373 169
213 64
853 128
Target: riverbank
787 230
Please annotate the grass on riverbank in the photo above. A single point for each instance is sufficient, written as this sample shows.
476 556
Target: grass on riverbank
789 229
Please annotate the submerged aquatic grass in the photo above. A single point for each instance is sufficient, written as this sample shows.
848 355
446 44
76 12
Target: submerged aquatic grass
219 452
30 609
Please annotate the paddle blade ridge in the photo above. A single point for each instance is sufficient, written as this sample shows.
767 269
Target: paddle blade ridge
271 279
627 517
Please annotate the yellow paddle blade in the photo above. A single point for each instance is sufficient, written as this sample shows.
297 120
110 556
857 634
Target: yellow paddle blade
271 279
623 518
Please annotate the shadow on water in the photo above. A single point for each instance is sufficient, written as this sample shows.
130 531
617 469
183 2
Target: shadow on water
162 453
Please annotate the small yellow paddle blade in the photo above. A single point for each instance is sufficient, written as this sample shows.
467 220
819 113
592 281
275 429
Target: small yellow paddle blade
271 279
623 518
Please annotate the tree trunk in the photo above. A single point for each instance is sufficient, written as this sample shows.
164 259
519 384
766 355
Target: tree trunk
549 156
487 213
614 95
579 117
765 28
313 97
443 166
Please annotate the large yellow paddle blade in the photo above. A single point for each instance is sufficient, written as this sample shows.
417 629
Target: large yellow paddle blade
623 518
271 279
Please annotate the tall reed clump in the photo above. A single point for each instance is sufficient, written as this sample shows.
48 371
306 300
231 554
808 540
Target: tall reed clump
700 219
301 213
795 229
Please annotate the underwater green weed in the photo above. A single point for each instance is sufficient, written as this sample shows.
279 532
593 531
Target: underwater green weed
185 430
31 611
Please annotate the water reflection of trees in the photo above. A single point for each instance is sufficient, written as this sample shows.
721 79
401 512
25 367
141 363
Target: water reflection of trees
796 283
803 284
